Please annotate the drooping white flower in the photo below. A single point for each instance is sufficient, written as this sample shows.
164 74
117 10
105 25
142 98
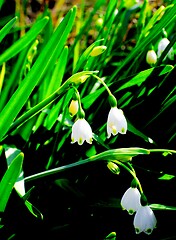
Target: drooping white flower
162 46
116 122
144 220
131 200
81 131
151 57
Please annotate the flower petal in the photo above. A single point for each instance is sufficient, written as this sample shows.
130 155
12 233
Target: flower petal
131 200
81 131
116 122
144 220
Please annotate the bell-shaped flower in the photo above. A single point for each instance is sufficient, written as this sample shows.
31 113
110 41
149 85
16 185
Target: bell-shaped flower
162 46
144 220
131 200
116 122
81 131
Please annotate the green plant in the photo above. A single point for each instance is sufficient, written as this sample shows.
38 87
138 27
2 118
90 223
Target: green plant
101 65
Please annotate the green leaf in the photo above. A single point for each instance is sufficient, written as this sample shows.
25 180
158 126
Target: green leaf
1 3
156 206
166 177
143 75
9 179
134 130
24 41
6 29
76 79
51 51
91 98
33 210
154 34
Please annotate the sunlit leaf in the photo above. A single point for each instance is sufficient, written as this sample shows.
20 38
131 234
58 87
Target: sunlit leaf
8 181
166 177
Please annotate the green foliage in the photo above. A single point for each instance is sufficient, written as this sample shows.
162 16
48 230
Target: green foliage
9 179
44 63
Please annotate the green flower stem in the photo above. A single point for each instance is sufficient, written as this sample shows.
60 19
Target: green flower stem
116 155
163 150
104 84
132 172
81 113
74 79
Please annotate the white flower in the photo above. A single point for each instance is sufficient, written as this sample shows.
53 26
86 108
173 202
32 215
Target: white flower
144 220
81 131
116 122
161 47
131 200
151 57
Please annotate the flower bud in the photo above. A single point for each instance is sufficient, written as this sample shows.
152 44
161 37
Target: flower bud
97 51
113 167
111 236
112 101
73 108
99 22
151 57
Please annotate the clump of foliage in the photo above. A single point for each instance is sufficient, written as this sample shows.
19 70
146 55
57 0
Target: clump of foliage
86 112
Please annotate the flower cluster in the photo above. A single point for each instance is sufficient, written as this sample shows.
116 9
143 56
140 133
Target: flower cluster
152 56
81 130
144 219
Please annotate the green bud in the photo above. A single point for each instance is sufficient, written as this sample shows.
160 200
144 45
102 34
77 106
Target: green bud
75 96
144 201
112 101
99 22
134 183
81 113
97 51
111 236
113 167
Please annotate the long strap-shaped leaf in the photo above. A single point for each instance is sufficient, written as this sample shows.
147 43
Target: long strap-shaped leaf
50 52
24 41
9 179
5 30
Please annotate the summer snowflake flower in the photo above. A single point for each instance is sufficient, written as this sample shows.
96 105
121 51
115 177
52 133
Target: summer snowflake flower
81 131
144 220
116 122
161 47
131 200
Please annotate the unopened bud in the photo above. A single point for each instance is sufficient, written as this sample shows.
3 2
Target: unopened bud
111 236
99 22
73 108
113 167
151 57
97 51
112 101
